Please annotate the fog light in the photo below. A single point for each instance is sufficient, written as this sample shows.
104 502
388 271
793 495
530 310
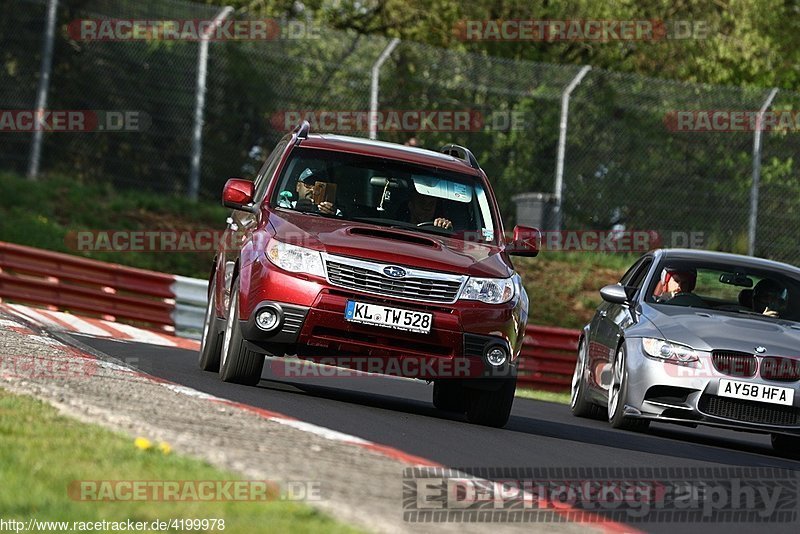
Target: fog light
496 356
267 319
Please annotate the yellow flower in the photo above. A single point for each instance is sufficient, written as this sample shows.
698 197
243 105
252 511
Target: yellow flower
164 447
142 443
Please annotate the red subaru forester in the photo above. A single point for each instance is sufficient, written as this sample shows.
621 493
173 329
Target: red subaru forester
372 256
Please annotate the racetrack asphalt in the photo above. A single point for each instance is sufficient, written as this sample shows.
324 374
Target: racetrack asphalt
398 413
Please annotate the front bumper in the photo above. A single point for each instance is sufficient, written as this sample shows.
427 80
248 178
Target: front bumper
689 394
314 327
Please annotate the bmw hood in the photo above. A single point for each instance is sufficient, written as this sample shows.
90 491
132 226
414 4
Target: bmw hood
708 330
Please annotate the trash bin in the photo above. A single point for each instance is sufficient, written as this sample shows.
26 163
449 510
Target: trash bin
535 209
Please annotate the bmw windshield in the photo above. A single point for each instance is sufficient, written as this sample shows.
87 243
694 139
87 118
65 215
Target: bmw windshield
763 293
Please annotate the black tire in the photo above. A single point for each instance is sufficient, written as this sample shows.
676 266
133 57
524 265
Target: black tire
449 396
784 445
579 404
616 410
239 364
491 408
211 342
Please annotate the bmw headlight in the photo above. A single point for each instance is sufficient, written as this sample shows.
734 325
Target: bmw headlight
670 352
295 259
489 290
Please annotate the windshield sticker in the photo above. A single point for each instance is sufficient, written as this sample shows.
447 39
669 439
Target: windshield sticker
435 187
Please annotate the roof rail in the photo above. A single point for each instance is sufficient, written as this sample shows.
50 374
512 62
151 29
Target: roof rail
302 130
462 153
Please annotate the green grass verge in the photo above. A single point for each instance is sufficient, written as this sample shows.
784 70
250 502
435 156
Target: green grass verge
547 396
41 452
564 287
41 214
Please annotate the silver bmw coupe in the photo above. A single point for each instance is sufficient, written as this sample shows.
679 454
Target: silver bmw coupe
696 338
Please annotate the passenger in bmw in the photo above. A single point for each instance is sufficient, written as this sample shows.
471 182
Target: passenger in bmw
770 298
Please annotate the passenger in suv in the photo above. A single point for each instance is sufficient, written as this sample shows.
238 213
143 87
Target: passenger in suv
366 286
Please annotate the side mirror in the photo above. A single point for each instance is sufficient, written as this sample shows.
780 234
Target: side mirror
614 294
238 194
526 241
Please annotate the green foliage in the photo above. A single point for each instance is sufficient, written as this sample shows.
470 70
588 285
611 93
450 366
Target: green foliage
43 214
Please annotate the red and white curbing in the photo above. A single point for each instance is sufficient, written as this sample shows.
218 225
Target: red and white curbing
89 326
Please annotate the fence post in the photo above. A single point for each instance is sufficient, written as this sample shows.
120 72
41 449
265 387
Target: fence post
44 86
562 143
200 104
373 93
751 241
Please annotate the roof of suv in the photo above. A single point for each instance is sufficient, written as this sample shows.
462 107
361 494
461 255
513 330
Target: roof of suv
370 147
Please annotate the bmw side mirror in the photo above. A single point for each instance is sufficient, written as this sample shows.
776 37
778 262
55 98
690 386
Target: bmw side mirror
614 293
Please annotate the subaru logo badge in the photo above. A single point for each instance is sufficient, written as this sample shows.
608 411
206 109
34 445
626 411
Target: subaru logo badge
761 350
393 271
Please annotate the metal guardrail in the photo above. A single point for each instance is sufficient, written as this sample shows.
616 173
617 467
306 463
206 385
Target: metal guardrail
177 303
78 284
548 358
191 296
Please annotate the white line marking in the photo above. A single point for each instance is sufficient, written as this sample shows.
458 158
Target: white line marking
79 324
36 317
323 432
140 335
189 392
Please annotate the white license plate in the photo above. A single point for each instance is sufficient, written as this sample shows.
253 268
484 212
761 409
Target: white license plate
413 321
756 392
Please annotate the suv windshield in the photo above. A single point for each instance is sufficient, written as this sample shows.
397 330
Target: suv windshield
728 288
386 193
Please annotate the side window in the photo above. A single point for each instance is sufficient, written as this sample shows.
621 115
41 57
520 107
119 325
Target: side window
640 274
267 170
630 273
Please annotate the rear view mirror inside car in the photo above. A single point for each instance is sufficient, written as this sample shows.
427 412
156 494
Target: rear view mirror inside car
736 279
383 181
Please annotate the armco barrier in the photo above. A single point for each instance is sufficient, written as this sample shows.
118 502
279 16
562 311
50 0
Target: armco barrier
548 358
34 276
171 302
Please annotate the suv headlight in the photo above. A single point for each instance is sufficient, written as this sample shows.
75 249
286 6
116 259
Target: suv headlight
669 352
295 259
489 290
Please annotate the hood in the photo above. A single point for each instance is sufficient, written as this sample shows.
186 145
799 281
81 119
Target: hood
708 330
390 245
